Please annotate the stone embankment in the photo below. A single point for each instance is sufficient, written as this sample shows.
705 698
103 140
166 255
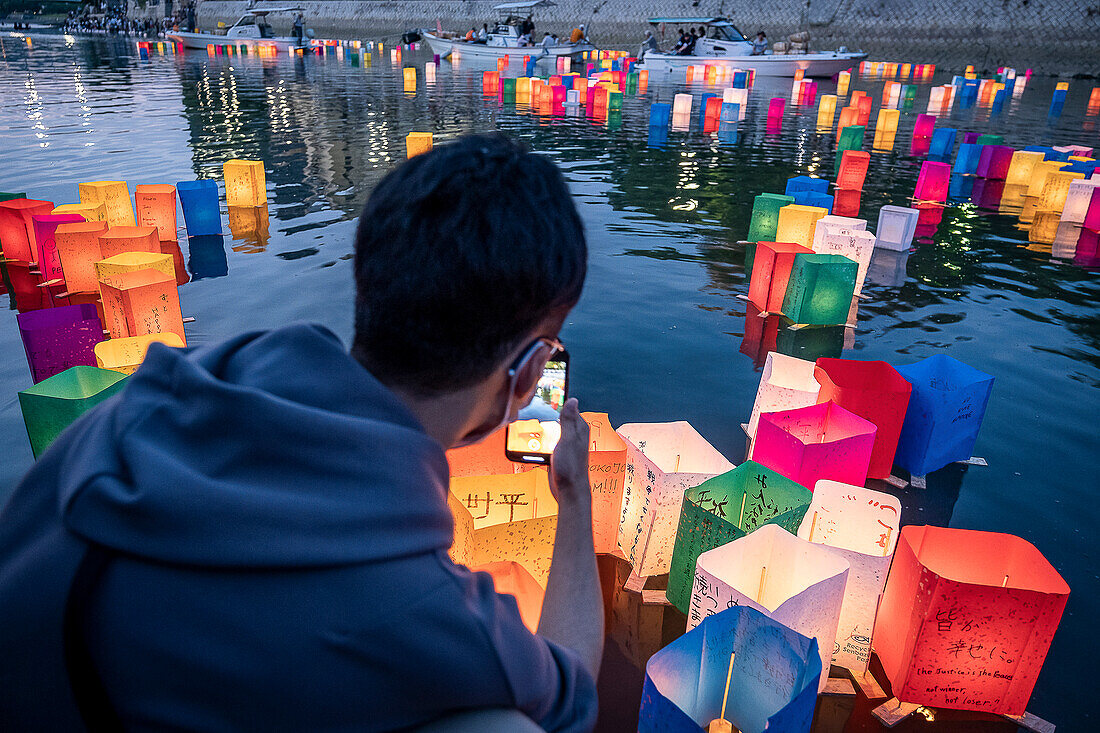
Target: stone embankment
1051 36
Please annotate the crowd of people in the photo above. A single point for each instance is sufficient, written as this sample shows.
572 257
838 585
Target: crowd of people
685 45
527 36
115 22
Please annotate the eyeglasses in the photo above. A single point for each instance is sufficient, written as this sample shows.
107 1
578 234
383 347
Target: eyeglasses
538 352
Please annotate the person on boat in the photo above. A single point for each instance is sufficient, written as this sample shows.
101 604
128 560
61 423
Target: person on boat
681 44
691 41
527 27
299 29
759 44
470 35
524 41
649 44
254 534
483 34
548 42
578 34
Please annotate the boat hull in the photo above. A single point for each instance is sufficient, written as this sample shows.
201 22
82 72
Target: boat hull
666 66
445 46
202 40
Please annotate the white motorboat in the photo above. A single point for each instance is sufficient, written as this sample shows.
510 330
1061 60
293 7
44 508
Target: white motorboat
505 38
726 46
251 30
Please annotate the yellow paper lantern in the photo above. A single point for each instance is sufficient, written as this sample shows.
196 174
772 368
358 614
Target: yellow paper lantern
843 79
245 183
90 212
115 198
797 223
1055 189
1022 167
417 143
107 270
886 128
126 354
826 110
1039 175
410 79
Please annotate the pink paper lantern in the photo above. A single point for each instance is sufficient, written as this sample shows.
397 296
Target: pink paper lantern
775 113
45 226
922 134
1092 216
807 444
876 392
933 181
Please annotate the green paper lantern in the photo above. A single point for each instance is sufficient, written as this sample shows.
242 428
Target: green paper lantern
614 101
712 516
10 196
820 290
851 138
508 87
990 140
764 222
632 82
53 404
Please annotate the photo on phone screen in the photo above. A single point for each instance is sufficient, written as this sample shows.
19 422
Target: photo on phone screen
535 431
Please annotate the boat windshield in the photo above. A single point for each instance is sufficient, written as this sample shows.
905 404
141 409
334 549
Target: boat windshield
724 32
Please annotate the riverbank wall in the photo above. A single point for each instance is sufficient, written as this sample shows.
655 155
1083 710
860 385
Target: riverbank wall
1059 37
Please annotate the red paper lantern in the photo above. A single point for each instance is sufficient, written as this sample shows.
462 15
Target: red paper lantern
933 182
771 270
967 618
16 228
876 392
853 171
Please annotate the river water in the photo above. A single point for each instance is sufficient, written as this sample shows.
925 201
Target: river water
660 332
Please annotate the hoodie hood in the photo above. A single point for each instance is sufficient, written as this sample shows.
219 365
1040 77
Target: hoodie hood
271 450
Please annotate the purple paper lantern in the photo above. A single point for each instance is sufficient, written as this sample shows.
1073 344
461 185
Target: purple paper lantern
57 339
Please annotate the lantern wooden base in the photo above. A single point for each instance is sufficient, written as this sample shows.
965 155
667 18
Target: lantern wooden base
655 597
893 711
839 686
1032 722
869 686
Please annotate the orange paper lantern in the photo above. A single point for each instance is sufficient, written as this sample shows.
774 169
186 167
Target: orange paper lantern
771 270
17 229
117 240
78 250
142 302
511 579
156 207
607 474
114 196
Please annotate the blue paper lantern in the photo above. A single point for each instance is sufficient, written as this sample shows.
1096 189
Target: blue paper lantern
1057 102
806 183
966 162
945 412
773 683
943 142
659 114
703 110
960 187
814 198
199 201
740 79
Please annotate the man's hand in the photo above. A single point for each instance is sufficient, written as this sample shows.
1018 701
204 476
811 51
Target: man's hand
569 463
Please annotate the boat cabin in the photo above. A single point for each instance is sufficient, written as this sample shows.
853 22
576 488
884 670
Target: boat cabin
722 37
253 24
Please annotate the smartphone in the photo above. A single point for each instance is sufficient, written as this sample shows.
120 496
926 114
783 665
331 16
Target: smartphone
531 437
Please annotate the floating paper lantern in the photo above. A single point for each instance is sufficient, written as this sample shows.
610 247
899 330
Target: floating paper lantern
765 216
853 169
664 461
141 302
17 228
156 207
848 116
820 289
681 104
876 392
860 526
245 182
78 250
797 222
983 606
109 268
933 182
199 201
822 441
727 507
511 579
785 384
90 212
409 78
791 581
607 476
855 243
944 415
1022 167
504 517
125 355
826 110
45 228
114 196
417 143
775 113
863 110
117 240
846 202
56 339
1056 190
851 138
896 227
429 72
843 79
994 161
739 664
53 404
886 128
806 183
771 272
1078 200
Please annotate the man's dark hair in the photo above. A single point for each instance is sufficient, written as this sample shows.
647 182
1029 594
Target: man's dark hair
459 253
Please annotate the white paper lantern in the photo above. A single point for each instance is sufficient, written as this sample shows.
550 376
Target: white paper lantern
860 526
797 583
896 227
1078 199
681 104
663 461
785 384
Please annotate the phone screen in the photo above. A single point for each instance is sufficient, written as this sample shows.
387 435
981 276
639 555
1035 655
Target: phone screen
534 433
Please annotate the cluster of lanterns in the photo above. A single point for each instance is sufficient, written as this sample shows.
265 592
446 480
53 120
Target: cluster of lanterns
97 282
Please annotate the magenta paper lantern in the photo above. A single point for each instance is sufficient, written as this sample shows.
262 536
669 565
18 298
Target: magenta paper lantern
56 339
922 134
1092 216
45 226
775 113
807 444
994 160
933 181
